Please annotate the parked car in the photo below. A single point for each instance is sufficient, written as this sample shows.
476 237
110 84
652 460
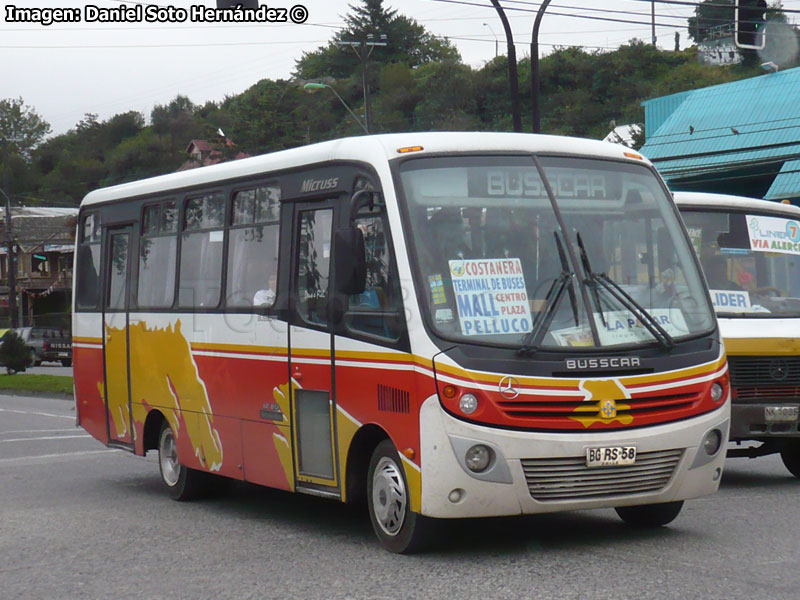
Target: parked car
48 344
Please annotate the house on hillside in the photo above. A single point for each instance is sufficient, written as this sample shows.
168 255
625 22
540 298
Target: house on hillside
203 153
736 138
44 247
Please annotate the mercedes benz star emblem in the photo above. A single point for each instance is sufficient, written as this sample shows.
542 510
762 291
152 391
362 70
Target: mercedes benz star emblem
509 387
778 369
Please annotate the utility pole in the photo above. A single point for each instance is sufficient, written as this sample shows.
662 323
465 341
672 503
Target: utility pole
537 124
9 239
363 50
513 76
495 38
653 13
12 275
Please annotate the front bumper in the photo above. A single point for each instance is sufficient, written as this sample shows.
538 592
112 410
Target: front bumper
748 421
506 491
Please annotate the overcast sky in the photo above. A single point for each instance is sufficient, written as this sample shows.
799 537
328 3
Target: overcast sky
67 70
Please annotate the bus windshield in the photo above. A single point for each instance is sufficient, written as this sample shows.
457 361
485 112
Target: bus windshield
573 253
751 261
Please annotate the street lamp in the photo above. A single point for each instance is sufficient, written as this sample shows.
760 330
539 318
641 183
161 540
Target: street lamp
319 86
535 67
495 38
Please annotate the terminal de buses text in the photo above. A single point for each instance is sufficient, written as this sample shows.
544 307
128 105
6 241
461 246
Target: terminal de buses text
140 13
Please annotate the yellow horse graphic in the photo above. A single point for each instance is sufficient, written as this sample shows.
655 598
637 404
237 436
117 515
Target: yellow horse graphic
163 375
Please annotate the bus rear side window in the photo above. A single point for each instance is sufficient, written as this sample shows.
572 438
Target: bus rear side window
88 259
201 251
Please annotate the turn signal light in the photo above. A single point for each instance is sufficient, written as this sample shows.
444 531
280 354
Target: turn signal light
408 149
450 391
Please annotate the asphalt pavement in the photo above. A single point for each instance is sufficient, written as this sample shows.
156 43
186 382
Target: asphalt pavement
78 520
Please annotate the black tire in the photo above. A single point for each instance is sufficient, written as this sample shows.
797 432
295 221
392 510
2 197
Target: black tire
790 455
66 362
398 528
650 515
181 482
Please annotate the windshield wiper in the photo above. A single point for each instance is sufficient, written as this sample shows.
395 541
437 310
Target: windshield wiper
532 339
624 298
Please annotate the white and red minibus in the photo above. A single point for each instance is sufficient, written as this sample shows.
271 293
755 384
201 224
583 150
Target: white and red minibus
442 325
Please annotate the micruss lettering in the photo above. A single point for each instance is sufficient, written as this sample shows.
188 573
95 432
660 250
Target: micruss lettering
42 16
316 185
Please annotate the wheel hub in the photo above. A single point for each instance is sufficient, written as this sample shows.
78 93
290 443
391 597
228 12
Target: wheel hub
168 458
389 496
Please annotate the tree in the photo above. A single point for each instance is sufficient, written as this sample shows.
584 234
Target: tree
408 42
21 128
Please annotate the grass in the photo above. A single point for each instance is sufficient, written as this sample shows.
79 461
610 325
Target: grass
23 382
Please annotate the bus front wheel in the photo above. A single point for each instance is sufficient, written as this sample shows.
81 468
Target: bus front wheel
650 515
398 528
182 482
790 454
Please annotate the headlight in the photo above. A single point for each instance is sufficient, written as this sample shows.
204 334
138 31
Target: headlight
478 458
717 392
712 441
468 404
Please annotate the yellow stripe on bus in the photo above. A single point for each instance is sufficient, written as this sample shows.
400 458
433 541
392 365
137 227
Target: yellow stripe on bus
762 346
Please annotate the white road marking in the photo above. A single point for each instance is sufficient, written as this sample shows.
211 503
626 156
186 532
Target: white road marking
41 414
21 459
48 437
21 431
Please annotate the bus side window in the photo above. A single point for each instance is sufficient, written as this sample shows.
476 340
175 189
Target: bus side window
379 309
158 255
253 250
88 268
201 251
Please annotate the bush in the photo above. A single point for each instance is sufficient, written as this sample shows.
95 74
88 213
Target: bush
14 354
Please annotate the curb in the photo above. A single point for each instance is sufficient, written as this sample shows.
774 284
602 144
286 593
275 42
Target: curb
37 394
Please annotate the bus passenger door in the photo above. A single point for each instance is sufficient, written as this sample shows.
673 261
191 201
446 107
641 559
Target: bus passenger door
118 251
311 355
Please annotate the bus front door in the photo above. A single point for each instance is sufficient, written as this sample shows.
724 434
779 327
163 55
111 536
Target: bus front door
311 354
118 249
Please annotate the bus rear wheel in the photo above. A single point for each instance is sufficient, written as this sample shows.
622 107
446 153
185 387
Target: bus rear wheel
398 528
650 515
790 455
182 482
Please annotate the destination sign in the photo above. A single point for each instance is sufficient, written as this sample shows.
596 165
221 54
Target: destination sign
491 296
525 182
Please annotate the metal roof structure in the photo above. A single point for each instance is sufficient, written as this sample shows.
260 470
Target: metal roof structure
726 136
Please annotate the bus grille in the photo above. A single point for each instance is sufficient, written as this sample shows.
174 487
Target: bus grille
553 479
764 377
560 408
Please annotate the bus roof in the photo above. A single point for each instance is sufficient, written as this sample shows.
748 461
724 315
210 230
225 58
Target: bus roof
365 148
717 201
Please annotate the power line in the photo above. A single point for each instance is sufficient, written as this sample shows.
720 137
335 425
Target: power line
594 18
725 127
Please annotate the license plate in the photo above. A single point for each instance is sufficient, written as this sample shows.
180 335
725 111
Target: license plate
610 456
781 413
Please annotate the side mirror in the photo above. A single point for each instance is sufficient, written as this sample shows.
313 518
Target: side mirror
350 260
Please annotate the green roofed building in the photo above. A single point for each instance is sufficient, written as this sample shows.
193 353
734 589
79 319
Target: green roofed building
736 138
